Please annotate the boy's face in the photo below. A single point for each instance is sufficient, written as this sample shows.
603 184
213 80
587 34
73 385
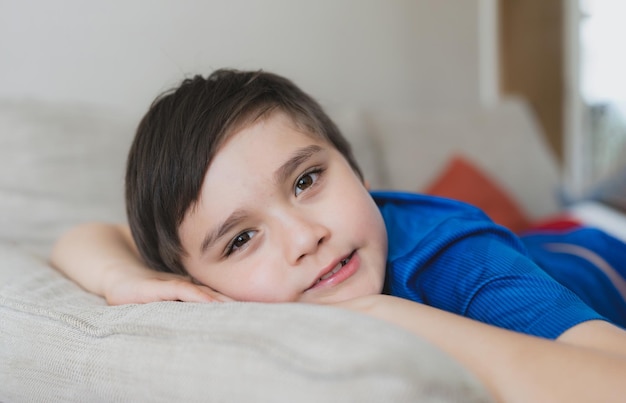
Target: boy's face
282 217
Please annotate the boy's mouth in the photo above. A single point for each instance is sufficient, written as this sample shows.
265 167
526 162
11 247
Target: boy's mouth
334 270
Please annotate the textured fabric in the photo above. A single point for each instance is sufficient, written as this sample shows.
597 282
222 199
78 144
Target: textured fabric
62 165
61 344
449 255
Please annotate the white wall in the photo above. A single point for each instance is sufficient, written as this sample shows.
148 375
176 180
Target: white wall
124 52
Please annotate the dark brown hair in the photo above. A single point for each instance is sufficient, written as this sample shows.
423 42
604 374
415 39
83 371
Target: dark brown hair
178 137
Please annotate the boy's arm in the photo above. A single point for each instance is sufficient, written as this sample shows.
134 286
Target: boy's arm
513 366
103 259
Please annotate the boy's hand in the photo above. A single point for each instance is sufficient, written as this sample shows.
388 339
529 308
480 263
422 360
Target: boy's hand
152 286
103 259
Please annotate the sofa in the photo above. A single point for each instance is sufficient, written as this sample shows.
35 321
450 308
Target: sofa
63 164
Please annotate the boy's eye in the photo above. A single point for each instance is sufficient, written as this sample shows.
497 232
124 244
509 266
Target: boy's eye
239 241
306 181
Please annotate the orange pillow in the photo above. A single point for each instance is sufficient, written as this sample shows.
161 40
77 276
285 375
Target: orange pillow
462 180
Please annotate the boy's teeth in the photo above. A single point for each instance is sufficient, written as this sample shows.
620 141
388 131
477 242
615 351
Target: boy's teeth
335 270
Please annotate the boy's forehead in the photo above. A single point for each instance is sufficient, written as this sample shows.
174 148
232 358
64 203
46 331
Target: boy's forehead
250 161
275 116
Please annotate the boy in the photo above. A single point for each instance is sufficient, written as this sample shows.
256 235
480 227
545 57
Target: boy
239 187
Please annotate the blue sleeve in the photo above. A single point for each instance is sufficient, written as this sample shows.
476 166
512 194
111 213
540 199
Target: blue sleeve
588 261
498 284
480 270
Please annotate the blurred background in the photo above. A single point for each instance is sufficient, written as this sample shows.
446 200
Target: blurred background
561 56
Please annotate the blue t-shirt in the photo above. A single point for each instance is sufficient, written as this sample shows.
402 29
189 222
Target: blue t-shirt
588 261
451 256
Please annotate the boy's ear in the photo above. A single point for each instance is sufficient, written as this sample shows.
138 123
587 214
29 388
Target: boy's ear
367 184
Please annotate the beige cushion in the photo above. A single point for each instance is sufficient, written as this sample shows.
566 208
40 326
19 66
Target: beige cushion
61 164
352 122
59 343
503 140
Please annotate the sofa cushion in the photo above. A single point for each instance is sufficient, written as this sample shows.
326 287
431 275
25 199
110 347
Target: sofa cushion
62 164
59 343
353 125
503 140
462 180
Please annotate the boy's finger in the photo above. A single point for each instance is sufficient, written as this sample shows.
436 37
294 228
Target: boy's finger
176 291
214 294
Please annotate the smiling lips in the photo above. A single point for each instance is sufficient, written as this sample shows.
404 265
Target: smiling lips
342 270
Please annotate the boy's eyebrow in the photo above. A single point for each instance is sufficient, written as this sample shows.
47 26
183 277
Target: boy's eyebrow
212 236
298 158
280 175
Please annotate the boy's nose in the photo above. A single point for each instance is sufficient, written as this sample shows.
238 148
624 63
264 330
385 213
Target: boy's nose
302 236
